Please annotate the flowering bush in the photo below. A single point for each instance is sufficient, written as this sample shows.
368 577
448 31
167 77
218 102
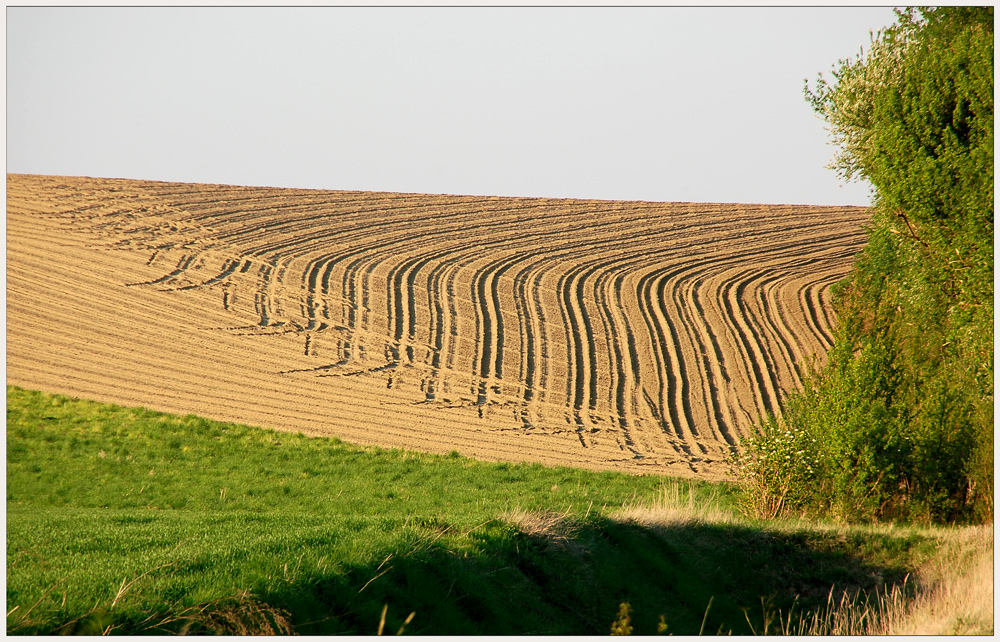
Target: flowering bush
776 469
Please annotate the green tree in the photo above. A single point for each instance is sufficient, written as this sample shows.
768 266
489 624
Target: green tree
900 421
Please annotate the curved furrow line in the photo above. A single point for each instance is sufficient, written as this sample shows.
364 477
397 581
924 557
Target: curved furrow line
481 286
580 394
776 332
702 344
578 381
665 372
601 273
630 382
675 394
590 355
440 220
490 340
486 292
274 248
633 358
816 299
263 302
674 407
574 390
825 304
356 289
490 354
683 348
405 316
764 385
531 333
409 277
615 331
182 265
442 311
533 320
401 299
716 374
824 267
581 382
580 338
316 288
690 349
397 308
695 364
575 372
228 269
737 346
278 249
349 212
807 300
750 331
773 327
396 279
758 315
382 245
709 347
536 361
781 331
294 219
773 302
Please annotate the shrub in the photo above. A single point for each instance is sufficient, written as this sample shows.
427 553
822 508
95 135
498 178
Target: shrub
901 418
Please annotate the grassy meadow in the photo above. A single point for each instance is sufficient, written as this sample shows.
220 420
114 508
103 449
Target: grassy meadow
125 520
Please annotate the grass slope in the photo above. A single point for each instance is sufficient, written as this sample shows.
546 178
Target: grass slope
129 521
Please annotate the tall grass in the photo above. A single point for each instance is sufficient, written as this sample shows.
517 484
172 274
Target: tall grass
950 591
958 598
954 597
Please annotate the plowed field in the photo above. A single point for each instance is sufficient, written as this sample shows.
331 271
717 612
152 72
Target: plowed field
639 336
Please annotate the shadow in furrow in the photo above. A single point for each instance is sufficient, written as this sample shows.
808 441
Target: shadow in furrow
681 388
183 264
717 374
664 411
765 376
228 268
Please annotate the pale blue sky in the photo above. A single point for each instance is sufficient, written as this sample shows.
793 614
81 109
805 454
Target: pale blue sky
665 104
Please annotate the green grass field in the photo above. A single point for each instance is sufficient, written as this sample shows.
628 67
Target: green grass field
128 521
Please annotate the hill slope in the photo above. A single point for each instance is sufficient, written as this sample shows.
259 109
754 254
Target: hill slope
626 335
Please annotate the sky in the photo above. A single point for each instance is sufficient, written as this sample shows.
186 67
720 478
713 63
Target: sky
689 104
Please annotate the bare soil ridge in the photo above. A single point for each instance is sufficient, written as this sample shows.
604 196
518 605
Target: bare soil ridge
638 336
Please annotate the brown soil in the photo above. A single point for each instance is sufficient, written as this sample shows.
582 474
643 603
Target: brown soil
644 337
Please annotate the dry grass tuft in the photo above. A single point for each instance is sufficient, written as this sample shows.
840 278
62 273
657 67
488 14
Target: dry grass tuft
242 616
557 530
676 507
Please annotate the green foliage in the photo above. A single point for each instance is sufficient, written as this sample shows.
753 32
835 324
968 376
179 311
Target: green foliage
903 412
776 469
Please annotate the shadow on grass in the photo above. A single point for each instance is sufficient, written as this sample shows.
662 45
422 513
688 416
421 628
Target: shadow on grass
503 581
